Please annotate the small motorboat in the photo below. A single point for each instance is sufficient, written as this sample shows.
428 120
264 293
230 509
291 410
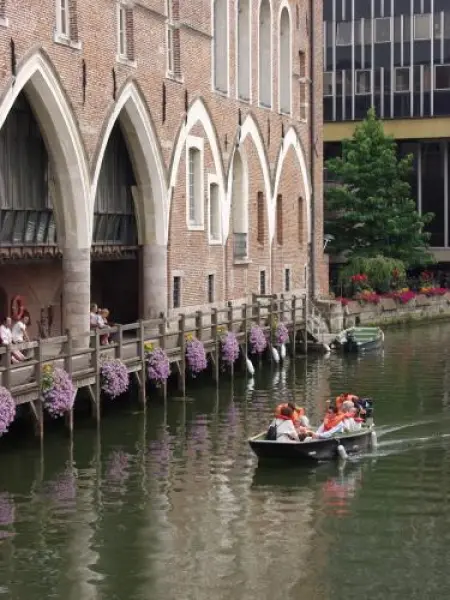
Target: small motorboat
314 450
360 339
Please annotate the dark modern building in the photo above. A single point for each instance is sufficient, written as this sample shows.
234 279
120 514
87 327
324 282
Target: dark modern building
394 55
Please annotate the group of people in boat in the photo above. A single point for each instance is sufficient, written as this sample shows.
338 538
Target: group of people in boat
345 415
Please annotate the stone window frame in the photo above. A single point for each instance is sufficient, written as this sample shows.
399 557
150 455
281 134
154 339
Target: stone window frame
285 73
214 287
4 21
213 180
180 276
197 143
287 268
173 42
248 53
215 52
262 271
70 38
126 55
261 103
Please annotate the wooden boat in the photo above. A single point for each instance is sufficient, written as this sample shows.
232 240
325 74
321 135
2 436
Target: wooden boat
360 339
314 450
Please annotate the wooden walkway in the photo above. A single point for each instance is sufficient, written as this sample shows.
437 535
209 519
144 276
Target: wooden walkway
82 357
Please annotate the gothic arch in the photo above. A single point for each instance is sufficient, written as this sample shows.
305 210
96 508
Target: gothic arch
291 139
37 78
145 153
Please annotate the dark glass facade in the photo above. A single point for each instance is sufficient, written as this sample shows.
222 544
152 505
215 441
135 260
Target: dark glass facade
394 55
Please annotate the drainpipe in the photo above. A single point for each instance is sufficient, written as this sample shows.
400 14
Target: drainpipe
312 129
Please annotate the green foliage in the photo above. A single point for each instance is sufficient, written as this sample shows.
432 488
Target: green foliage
371 211
383 274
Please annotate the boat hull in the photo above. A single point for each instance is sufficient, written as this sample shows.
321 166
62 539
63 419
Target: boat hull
313 451
352 346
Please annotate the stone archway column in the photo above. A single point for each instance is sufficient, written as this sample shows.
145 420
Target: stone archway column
154 280
77 291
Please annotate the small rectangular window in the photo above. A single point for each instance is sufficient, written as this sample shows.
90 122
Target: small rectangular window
302 64
422 27
363 82
176 300
62 18
328 83
438 23
260 218
262 283
383 30
300 221
211 289
214 213
402 79
122 31
279 215
170 53
442 77
194 174
287 280
367 32
344 33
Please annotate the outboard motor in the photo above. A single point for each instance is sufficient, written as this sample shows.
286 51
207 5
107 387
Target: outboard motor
366 406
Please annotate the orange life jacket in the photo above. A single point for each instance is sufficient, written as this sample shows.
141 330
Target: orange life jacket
343 397
332 420
298 412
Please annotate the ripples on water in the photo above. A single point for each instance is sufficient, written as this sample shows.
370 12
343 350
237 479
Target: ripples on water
174 506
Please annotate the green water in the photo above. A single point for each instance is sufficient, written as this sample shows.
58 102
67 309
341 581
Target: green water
173 506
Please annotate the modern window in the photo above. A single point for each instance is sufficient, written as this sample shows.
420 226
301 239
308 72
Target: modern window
63 18
442 77
402 79
363 82
244 44
262 282
383 31
211 286
214 213
279 217
285 63
239 209
344 33
176 292
422 27
287 280
122 31
260 218
195 188
265 54
220 44
328 83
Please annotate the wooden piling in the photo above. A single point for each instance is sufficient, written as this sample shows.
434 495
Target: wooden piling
162 330
305 318
143 382
97 386
294 324
68 366
182 363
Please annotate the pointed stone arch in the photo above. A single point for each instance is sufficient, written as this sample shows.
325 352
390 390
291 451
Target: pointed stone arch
291 139
37 78
198 113
145 153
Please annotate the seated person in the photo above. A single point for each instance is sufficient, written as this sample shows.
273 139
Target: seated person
6 339
340 421
364 407
283 427
299 415
343 397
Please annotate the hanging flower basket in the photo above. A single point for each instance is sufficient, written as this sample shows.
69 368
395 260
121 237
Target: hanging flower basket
58 391
281 334
7 410
158 366
195 355
257 340
230 348
114 377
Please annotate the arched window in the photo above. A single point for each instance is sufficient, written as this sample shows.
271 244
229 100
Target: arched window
220 41
285 62
265 54
243 42
239 209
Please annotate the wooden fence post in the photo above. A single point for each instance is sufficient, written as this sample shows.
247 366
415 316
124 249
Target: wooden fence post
245 319
215 337
294 324
38 377
199 325
162 344
143 382
68 365
305 317
182 334
97 387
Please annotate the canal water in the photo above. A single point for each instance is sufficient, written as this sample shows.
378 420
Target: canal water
174 507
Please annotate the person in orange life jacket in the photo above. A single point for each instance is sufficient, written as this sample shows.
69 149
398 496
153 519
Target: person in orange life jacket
284 425
340 421
299 415
343 397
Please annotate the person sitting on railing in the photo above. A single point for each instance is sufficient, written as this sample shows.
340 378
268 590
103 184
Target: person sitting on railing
103 315
6 339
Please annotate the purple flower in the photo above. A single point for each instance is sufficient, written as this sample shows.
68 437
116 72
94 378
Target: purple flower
257 339
196 356
114 377
158 366
7 510
7 410
230 348
58 392
282 334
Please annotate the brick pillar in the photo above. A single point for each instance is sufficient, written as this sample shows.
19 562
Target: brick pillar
76 289
154 280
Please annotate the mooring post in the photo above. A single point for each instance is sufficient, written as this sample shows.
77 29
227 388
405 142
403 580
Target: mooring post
215 337
119 347
68 365
143 382
271 322
245 321
38 377
199 325
7 372
97 387
305 317
182 334
294 324
162 344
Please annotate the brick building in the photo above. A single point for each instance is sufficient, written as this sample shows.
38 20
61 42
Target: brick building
158 155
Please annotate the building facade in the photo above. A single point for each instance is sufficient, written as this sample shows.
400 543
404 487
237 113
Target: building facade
158 155
394 55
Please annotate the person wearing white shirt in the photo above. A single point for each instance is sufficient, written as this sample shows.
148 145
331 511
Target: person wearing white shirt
19 331
285 427
6 337
348 425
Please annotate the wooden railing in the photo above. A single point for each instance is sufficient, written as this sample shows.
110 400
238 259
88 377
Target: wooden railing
81 357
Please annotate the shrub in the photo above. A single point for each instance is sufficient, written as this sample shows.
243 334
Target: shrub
158 366
257 340
281 334
114 377
58 391
230 348
195 356
383 273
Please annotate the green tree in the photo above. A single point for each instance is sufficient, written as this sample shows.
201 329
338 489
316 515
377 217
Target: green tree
371 212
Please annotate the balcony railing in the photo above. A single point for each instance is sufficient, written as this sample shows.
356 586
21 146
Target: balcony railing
240 246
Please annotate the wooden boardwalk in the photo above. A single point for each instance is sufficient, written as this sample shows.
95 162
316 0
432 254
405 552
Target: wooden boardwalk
82 357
